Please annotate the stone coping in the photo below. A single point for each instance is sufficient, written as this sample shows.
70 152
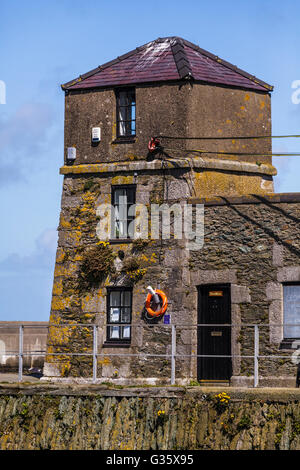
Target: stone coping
273 394
267 199
189 162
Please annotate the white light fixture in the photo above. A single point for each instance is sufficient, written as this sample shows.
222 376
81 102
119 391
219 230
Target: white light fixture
96 134
71 155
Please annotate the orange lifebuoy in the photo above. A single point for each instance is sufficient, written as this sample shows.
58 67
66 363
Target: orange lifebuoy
153 144
164 304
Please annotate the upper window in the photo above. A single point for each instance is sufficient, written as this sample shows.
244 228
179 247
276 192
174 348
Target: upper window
119 306
122 223
125 112
291 311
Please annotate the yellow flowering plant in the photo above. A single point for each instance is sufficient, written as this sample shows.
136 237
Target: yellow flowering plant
221 400
161 416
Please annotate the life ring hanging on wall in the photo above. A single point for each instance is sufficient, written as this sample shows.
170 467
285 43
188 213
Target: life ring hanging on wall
163 304
153 144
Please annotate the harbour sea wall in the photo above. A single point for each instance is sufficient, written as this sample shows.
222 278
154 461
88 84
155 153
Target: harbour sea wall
105 417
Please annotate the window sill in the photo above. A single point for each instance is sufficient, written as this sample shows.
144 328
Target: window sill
124 140
111 344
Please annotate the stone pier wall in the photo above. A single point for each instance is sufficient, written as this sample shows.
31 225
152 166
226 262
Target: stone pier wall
49 417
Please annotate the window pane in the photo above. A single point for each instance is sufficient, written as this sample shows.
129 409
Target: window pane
126 112
125 315
115 332
122 199
291 307
118 193
115 298
122 112
130 195
126 300
121 213
114 315
126 332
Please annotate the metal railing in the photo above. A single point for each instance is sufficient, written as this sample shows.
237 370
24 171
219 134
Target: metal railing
172 356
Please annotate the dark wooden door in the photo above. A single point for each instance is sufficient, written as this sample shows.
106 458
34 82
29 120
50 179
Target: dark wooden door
214 308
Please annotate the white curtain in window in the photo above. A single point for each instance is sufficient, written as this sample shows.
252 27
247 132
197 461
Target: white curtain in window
121 214
122 112
115 332
126 331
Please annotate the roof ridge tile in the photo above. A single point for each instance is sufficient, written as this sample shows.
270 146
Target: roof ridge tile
182 62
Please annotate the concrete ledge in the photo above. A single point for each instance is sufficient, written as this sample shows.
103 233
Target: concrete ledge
281 395
189 162
266 199
123 382
272 382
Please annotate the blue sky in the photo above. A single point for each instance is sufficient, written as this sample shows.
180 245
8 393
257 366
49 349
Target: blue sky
44 43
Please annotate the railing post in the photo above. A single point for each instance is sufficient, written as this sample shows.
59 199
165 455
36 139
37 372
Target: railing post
95 350
256 354
173 354
21 353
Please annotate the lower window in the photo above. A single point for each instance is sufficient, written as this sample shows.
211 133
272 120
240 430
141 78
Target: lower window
119 310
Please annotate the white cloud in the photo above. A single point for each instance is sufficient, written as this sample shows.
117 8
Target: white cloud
23 138
41 259
26 281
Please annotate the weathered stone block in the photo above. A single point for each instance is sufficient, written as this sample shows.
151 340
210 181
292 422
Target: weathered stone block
240 294
289 274
274 291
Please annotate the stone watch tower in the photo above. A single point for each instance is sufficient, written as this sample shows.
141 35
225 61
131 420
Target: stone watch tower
205 114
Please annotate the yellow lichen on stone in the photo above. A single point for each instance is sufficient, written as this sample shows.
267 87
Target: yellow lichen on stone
75 236
57 287
105 361
214 183
121 179
64 223
59 303
65 271
88 315
86 209
60 255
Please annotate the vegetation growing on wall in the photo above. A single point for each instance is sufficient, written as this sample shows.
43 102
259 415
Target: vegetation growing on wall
133 267
97 264
56 419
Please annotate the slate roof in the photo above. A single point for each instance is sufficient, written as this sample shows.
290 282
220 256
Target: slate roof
166 59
